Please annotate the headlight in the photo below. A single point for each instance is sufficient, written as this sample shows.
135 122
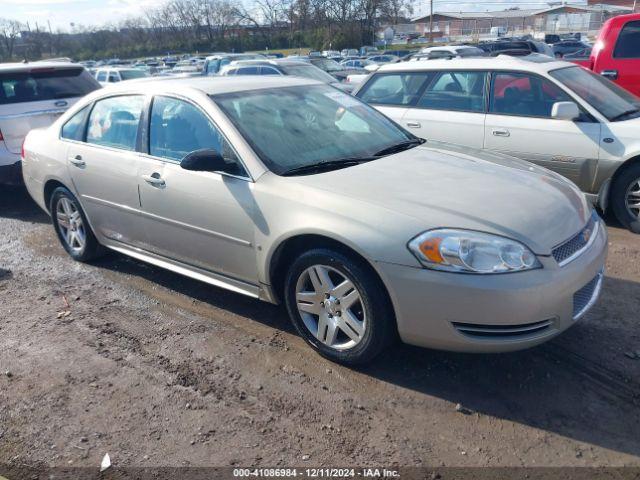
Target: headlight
471 252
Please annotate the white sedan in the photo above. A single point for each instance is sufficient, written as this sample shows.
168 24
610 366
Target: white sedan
552 113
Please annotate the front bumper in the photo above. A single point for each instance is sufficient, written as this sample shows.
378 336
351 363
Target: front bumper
11 174
494 313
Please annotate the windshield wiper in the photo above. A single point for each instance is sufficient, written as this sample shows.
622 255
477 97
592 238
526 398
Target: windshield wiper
400 147
625 114
326 166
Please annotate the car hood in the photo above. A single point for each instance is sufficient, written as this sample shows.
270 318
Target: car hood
441 185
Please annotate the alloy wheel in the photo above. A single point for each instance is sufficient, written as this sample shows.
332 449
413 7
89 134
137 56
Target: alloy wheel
633 198
71 225
331 307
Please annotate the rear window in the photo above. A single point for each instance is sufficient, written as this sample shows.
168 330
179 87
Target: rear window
628 45
46 84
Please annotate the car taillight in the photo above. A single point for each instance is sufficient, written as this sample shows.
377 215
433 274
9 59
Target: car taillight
1 137
22 151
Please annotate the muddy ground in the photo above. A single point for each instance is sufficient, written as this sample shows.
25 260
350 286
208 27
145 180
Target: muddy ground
157 369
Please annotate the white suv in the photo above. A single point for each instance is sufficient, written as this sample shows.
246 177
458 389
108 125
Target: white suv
552 113
33 95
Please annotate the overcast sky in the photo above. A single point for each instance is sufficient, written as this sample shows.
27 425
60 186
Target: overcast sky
62 13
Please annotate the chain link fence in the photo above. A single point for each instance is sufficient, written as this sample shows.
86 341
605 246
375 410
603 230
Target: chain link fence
475 29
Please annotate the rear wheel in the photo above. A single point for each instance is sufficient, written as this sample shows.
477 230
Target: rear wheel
72 227
625 197
339 306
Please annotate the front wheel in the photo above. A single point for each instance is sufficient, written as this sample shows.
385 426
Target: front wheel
72 227
339 306
625 198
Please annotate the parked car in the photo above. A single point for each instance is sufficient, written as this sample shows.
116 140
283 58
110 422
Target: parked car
581 57
616 53
452 51
552 38
552 113
566 47
213 64
333 68
383 59
514 46
105 76
368 50
283 67
34 95
350 52
287 190
359 63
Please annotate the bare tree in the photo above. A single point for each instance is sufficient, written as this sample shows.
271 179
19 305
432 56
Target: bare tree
9 33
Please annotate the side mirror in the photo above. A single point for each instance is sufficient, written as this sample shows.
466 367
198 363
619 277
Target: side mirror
565 111
207 160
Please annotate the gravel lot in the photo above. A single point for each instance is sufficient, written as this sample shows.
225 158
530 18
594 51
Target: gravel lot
157 369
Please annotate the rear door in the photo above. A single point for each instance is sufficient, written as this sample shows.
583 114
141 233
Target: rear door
104 167
519 123
451 109
34 98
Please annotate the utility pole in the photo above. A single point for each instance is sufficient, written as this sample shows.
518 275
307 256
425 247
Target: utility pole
635 4
431 21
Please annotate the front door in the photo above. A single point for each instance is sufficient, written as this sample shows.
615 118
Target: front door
103 167
519 123
202 219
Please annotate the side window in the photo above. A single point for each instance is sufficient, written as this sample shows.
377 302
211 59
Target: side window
628 45
113 77
102 76
113 122
247 71
457 91
178 128
74 128
524 95
268 71
394 88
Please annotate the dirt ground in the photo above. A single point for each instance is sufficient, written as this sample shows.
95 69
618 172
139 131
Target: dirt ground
157 369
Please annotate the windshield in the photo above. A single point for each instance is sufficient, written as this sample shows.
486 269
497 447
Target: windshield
308 71
132 74
295 127
45 84
609 99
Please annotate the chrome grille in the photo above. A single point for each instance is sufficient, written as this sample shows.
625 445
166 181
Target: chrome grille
574 246
502 331
584 298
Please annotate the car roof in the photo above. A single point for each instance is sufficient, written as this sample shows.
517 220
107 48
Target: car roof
272 62
539 64
210 85
28 66
238 55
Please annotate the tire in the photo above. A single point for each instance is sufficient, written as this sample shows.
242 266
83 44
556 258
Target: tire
72 227
353 324
623 188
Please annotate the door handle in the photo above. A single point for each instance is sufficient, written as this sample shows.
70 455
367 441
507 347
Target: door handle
77 161
610 74
414 124
501 133
154 179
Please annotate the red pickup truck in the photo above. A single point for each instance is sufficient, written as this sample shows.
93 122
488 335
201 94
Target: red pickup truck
616 53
